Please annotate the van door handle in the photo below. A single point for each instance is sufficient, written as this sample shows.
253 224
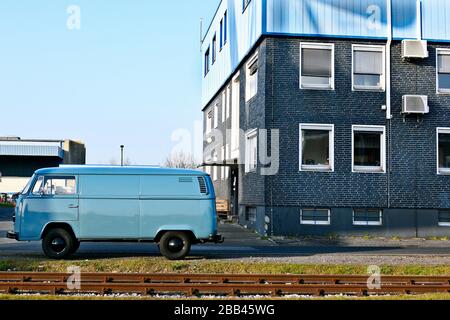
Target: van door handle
73 206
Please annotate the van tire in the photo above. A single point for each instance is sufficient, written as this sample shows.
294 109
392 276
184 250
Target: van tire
76 246
171 238
58 244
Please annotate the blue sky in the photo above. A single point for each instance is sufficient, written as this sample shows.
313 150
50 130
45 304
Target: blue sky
131 75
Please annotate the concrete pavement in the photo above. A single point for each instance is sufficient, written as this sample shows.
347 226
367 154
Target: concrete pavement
239 243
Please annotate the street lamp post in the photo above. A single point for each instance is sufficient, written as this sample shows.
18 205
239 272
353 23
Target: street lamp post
121 155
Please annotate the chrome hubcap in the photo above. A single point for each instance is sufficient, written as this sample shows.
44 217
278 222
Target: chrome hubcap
175 245
58 244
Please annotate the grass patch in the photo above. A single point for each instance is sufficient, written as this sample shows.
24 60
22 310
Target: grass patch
161 265
6 205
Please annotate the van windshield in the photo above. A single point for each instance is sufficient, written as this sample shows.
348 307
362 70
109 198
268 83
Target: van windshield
27 187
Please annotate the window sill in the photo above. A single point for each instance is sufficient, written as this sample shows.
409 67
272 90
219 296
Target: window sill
444 172
368 224
443 92
248 100
316 169
368 170
327 88
368 89
444 224
315 223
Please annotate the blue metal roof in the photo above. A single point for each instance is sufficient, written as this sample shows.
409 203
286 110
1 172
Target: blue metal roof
19 149
114 170
364 19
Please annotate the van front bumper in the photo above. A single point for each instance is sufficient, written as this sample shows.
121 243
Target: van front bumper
217 238
12 235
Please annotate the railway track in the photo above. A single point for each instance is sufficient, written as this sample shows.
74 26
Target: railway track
215 284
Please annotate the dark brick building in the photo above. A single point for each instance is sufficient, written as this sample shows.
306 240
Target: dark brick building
346 155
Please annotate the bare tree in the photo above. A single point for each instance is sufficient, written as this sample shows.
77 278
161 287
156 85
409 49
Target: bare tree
181 160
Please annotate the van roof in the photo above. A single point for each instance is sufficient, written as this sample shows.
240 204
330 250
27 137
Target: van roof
115 170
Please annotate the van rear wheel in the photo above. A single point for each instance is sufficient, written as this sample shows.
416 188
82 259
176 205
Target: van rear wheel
175 245
58 244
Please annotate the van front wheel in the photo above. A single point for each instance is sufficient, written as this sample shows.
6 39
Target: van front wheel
175 245
58 244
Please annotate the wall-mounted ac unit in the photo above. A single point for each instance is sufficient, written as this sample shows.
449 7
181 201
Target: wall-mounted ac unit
414 49
415 104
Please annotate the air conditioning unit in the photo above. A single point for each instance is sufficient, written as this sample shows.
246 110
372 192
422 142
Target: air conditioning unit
414 49
415 104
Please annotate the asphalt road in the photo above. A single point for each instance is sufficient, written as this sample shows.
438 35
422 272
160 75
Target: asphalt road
239 243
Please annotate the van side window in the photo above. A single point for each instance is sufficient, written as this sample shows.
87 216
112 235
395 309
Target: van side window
54 186
38 185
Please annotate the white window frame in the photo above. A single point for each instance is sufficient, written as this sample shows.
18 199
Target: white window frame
224 101
313 126
252 134
441 171
438 52
215 173
222 158
327 46
368 223
207 167
370 169
443 224
209 121
228 103
235 116
227 157
315 222
216 115
252 60
373 48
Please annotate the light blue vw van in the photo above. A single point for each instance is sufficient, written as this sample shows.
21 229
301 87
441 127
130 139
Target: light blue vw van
71 204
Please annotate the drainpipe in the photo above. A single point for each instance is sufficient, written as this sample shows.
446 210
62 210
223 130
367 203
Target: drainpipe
388 96
419 19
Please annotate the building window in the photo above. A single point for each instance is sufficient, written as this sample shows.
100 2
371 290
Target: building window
250 214
316 147
252 78
367 217
444 218
222 159
206 62
209 119
216 116
208 167
214 49
235 125
221 34
443 147
224 102
316 66
227 156
228 102
214 169
315 216
443 70
225 27
251 151
368 68
369 149
245 4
